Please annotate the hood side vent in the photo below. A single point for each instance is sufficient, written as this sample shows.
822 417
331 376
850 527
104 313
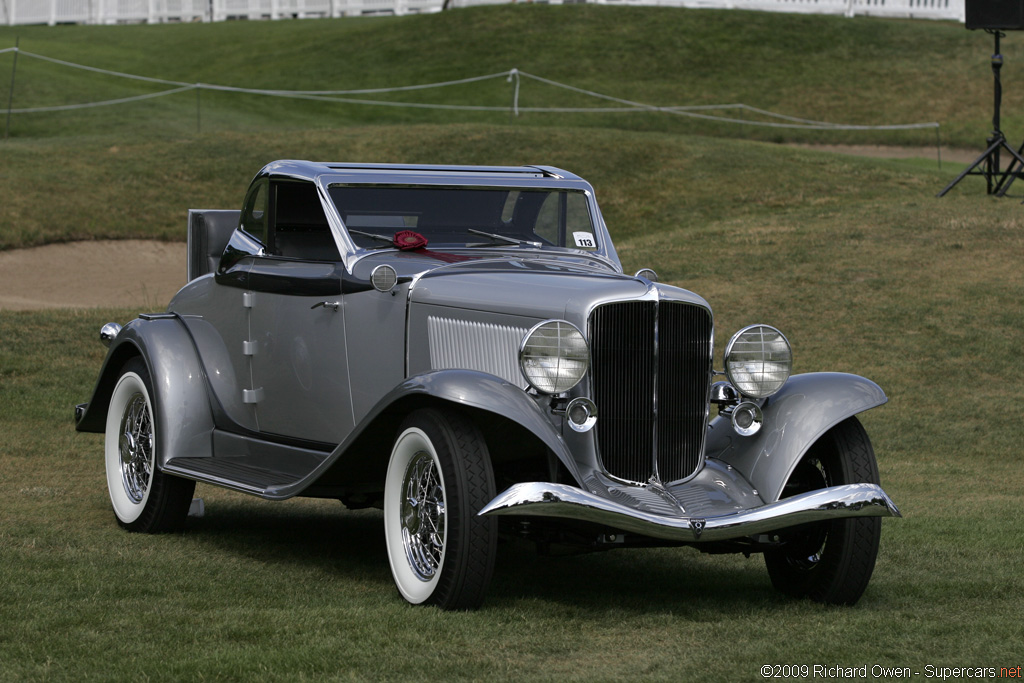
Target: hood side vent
467 345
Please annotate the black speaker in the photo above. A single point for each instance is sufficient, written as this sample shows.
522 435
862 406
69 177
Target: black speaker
1003 15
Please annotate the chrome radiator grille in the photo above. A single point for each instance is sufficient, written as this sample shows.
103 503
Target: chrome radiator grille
651 365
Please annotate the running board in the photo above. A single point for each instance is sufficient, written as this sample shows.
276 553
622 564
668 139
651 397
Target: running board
249 465
233 473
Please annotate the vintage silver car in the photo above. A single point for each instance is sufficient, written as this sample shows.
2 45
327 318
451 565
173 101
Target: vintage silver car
460 347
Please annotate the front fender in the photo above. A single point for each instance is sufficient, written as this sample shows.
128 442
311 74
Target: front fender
806 407
182 414
492 394
469 388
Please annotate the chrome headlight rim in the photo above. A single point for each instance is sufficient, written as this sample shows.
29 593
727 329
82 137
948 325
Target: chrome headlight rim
530 361
777 365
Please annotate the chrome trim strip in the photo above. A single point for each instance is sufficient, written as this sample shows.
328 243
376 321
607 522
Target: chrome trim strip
542 499
655 363
346 247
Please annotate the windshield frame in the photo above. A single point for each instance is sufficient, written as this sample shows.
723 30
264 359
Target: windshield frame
351 252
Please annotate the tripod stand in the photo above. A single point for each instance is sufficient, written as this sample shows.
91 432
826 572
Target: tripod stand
997 181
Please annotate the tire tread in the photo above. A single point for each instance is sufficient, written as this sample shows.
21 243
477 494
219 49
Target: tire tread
471 540
851 548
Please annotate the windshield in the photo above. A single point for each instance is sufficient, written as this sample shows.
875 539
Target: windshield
471 217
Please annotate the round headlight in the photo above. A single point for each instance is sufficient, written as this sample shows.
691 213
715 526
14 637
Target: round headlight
554 356
758 360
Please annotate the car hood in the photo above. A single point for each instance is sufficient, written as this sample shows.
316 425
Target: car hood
534 288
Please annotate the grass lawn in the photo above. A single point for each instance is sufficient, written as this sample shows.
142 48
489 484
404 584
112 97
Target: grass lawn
854 259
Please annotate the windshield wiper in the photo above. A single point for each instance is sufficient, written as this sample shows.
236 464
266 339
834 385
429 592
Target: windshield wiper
390 240
505 238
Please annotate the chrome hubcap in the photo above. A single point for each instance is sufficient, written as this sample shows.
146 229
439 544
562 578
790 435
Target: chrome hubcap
136 448
423 516
806 551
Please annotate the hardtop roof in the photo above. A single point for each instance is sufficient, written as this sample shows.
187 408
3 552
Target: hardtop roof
309 170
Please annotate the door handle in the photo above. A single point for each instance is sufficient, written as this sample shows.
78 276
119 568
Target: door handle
326 304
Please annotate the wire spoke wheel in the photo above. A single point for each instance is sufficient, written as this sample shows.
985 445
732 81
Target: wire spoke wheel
136 447
829 562
144 498
439 477
423 516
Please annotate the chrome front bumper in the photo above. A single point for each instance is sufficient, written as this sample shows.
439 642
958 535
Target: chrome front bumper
541 499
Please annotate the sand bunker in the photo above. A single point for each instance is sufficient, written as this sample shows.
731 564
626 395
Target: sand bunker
130 273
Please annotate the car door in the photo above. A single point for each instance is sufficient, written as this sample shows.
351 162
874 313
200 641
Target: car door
218 317
297 325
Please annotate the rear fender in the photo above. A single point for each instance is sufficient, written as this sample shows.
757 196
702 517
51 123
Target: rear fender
184 422
800 414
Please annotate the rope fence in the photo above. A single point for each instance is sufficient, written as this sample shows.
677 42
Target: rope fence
512 76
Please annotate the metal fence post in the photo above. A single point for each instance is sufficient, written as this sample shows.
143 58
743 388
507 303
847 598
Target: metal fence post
10 93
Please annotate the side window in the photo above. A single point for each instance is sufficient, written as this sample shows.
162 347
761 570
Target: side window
300 226
564 219
579 229
254 213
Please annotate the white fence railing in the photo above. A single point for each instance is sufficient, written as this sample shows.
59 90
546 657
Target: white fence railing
922 9
15 12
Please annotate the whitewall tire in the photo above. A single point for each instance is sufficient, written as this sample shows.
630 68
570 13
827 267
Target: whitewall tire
144 499
439 477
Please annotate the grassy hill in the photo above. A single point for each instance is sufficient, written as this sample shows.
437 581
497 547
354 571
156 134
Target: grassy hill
647 182
863 71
